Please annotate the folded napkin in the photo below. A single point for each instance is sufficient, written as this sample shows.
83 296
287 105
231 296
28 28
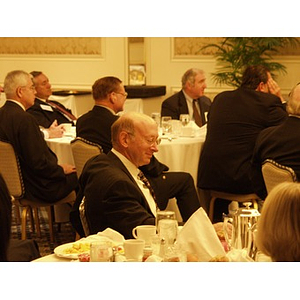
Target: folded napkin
106 235
198 236
239 255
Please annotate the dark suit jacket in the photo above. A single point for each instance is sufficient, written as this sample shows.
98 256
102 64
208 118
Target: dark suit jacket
235 120
280 143
95 126
44 179
46 117
176 105
113 199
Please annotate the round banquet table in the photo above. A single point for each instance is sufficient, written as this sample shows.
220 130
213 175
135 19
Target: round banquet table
179 154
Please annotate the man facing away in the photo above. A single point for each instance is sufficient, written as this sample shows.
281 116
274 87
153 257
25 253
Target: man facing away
235 120
190 98
44 179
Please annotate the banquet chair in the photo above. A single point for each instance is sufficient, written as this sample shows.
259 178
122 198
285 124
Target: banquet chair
12 174
275 173
82 151
241 198
83 218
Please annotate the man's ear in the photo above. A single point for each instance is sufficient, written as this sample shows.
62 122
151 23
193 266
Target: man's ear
19 92
261 87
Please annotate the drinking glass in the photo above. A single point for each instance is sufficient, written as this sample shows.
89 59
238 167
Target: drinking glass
101 251
168 230
166 125
156 117
185 119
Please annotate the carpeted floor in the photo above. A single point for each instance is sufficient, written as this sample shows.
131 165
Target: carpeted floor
63 233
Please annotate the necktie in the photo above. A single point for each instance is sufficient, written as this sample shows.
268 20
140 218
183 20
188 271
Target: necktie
197 117
68 115
145 181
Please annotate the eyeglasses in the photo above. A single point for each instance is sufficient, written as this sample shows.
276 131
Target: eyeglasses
123 94
32 87
150 141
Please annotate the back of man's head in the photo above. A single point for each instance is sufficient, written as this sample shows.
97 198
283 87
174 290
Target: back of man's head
13 80
104 86
254 75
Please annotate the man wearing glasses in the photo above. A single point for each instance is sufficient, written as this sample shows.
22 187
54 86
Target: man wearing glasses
95 126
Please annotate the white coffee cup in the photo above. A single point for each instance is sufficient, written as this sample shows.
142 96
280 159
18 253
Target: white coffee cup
144 232
134 249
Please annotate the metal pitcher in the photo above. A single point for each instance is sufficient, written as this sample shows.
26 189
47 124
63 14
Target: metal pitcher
243 222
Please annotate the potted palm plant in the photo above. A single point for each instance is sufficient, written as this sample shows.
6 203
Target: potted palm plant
233 54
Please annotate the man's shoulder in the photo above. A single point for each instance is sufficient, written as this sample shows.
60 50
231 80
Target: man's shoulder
174 97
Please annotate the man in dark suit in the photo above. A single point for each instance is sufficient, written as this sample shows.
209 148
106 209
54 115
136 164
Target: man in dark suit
235 120
193 86
95 126
115 196
280 143
44 110
44 179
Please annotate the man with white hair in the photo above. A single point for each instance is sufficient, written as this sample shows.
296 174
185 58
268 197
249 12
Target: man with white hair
44 179
190 100
279 143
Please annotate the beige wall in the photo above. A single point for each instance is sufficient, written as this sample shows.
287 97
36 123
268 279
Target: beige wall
166 61
71 71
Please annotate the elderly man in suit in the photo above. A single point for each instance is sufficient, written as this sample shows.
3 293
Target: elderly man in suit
44 179
190 100
116 197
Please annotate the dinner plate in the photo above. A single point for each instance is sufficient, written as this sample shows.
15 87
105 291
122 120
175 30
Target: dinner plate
60 251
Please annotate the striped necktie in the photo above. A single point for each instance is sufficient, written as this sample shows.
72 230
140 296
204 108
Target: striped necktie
196 115
67 114
146 182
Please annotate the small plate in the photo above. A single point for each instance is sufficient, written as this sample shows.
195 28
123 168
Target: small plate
60 251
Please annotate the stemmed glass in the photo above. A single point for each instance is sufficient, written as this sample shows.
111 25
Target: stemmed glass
166 125
185 119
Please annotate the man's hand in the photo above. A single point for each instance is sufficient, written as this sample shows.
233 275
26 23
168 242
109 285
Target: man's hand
55 131
68 169
274 88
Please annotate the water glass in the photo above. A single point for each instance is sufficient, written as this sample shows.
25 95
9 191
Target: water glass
185 119
101 251
166 125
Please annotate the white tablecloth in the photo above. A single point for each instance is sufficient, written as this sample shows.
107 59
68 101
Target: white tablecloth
180 154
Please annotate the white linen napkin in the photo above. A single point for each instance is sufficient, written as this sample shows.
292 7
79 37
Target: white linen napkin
199 237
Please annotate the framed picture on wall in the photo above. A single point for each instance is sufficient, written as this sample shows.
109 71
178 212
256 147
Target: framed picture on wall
137 75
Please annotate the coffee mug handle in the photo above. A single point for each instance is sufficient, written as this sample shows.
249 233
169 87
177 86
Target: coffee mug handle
134 232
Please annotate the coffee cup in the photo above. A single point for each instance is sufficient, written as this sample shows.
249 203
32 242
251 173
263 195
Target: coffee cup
144 232
134 249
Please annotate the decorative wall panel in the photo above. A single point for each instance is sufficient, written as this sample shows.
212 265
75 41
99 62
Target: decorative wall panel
50 46
190 46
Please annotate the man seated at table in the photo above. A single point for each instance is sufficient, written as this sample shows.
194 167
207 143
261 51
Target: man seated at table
109 95
44 179
44 110
116 197
190 100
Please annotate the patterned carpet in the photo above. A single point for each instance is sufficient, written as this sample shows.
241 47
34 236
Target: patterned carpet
63 233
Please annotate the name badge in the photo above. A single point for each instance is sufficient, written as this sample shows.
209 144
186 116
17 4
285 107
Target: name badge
46 107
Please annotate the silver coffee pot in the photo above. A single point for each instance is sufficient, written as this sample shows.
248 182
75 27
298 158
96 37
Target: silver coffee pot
244 226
